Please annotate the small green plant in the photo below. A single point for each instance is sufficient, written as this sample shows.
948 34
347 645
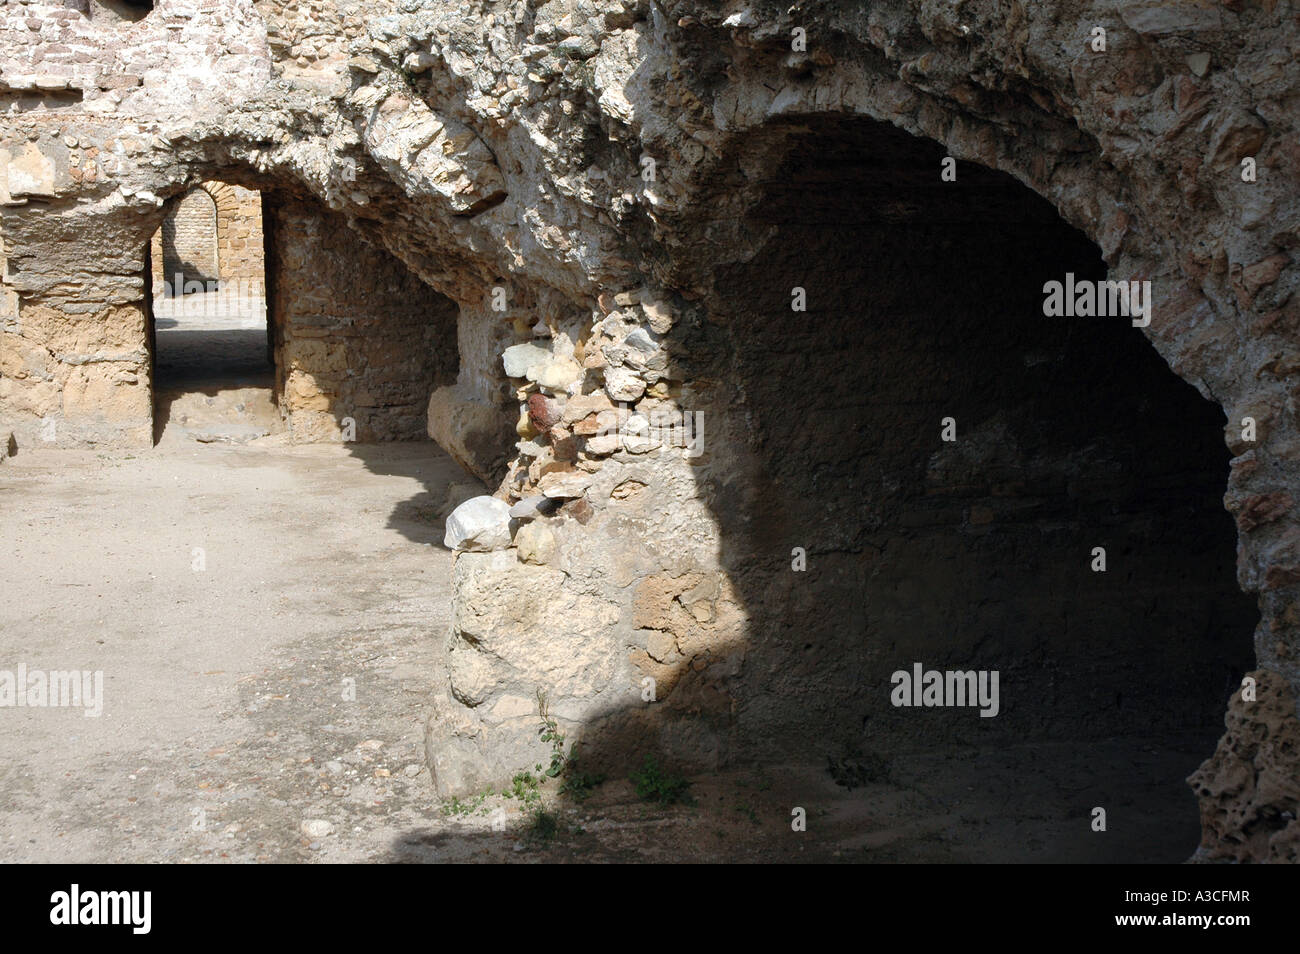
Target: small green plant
526 787
544 827
579 784
550 732
456 807
654 785
585 76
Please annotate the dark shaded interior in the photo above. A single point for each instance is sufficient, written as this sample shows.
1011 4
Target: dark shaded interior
924 301
120 10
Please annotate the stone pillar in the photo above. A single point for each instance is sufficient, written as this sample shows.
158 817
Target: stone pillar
76 373
474 419
74 353
612 609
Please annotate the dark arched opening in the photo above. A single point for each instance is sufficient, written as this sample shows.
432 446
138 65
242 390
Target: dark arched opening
925 303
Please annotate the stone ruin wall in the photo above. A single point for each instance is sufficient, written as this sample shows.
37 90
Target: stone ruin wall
499 145
76 354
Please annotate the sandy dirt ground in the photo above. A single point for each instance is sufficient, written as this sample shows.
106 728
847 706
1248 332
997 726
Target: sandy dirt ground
232 595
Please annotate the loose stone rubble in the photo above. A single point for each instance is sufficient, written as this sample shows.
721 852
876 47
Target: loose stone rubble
576 179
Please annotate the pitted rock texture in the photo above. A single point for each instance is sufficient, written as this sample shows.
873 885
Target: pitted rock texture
1250 787
579 175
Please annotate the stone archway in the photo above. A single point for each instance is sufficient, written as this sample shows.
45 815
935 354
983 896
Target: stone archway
112 12
861 537
812 444
354 343
187 241
527 168
225 238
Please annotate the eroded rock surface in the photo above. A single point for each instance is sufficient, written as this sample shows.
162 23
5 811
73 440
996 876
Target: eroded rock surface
1249 788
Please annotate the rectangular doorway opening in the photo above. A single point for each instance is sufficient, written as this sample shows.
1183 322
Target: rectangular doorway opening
213 362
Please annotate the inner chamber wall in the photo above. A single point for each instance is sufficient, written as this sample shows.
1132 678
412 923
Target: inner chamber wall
925 302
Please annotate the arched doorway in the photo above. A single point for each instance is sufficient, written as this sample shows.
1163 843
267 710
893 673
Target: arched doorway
269 317
977 488
188 239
